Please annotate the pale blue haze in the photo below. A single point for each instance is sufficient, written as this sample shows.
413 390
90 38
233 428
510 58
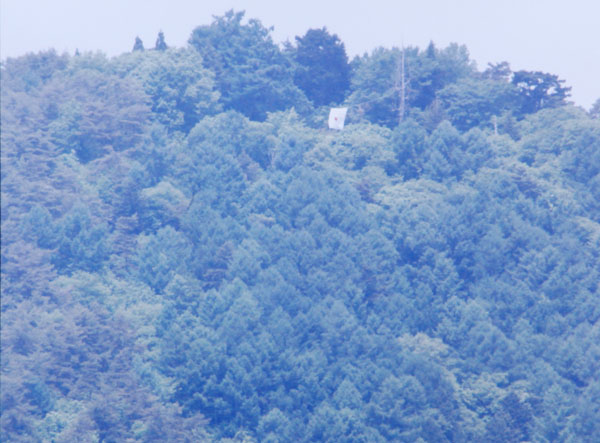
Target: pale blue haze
553 36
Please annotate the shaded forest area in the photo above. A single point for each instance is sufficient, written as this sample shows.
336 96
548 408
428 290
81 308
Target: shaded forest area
188 254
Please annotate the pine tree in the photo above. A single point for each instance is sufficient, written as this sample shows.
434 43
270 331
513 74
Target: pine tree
160 42
138 45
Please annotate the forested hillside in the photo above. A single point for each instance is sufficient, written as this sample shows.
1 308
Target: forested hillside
189 254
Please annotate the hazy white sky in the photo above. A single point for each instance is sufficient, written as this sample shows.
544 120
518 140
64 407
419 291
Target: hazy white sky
555 36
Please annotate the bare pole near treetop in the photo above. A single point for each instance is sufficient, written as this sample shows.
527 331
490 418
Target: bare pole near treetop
401 87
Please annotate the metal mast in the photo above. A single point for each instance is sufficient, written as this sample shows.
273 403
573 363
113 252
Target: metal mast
400 86
402 108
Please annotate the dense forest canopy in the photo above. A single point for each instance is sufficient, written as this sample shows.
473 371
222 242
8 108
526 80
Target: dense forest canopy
189 254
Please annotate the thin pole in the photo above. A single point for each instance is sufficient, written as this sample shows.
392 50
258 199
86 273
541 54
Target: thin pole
402 89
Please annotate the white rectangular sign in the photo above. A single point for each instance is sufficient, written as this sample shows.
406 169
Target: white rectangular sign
337 116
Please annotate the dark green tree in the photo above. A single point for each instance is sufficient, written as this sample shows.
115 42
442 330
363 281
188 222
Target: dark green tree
512 422
433 69
415 284
497 71
82 242
160 45
373 85
253 75
409 143
181 92
138 45
377 76
473 102
323 72
31 71
94 113
539 90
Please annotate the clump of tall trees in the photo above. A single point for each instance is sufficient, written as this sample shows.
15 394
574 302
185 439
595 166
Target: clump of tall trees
188 254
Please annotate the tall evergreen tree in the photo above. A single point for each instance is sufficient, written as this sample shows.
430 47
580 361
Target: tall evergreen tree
323 72
138 45
253 76
160 42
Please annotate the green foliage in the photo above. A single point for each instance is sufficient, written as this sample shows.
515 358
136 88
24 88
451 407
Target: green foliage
409 142
572 137
323 72
161 205
159 257
433 278
539 90
32 71
38 226
138 45
472 102
253 76
94 112
376 80
160 44
498 71
81 244
431 70
373 86
595 109
181 92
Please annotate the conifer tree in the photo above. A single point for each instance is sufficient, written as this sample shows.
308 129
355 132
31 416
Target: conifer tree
160 42
138 45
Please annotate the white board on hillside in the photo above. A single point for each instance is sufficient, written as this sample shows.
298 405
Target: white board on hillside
337 116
